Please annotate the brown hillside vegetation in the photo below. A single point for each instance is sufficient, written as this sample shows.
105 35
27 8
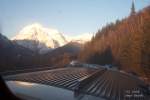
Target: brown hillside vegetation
125 44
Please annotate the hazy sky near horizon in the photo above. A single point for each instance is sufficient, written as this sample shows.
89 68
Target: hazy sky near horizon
71 17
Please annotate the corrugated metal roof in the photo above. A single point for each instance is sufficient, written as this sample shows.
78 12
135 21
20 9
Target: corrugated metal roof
109 84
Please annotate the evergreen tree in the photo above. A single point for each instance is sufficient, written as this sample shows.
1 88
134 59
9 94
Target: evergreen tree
133 8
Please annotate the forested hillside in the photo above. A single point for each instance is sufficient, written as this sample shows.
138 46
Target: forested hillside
124 44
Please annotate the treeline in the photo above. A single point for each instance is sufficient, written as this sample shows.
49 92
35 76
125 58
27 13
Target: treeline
124 44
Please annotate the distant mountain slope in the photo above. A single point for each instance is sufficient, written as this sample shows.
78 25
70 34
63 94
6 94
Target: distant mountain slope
38 38
82 38
71 48
13 55
63 55
17 57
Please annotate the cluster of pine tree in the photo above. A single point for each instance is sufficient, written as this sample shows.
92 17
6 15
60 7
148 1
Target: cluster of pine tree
125 44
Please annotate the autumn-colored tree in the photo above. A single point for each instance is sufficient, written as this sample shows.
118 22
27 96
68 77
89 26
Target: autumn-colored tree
128 41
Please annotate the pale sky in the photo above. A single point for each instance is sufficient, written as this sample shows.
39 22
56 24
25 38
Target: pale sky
71 17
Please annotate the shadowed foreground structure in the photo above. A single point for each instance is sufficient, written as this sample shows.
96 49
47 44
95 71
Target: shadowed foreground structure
104 83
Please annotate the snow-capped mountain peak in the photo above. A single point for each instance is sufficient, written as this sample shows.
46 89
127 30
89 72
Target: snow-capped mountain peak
41 39
38 38
31 28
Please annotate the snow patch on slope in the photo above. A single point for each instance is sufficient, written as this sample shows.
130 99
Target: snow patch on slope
83 38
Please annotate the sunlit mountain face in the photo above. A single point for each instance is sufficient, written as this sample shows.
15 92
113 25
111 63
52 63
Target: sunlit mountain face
41 39
36 37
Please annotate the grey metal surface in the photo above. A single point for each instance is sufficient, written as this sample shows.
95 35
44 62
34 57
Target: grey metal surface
64 77
109 84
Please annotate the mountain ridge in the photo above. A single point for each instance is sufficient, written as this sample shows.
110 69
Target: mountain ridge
35 36
41 39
